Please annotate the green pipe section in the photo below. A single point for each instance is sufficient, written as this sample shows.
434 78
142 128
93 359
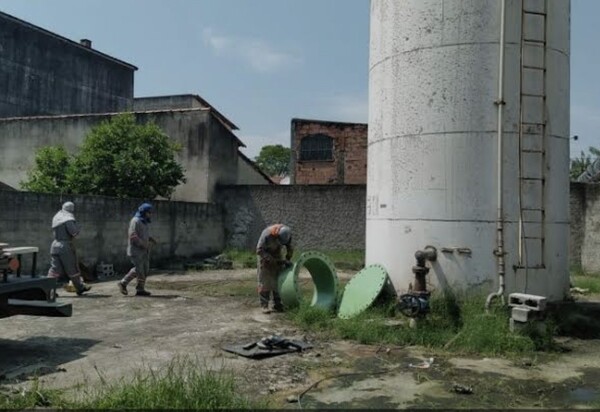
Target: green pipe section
323 274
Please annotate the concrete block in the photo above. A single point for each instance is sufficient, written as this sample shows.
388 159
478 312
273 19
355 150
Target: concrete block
521 314
516 326
533 302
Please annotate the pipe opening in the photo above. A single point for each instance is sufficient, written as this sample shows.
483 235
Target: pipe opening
324 279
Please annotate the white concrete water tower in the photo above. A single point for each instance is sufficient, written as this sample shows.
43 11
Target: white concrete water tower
466 97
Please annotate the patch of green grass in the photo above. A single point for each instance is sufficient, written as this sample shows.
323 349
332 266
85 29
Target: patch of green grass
342 259
241 258
347 259
34 397
183 384
457 325
586 281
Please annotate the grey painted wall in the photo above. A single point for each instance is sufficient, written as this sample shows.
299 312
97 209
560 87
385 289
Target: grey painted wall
209 150
184 230
42 73
322 217
585 226
578 228
326 217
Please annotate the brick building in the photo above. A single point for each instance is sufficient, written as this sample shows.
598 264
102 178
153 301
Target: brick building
326 152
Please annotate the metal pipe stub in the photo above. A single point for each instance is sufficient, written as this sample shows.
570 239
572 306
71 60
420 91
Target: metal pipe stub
324 277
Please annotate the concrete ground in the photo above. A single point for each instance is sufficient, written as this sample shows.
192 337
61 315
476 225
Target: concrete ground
194 314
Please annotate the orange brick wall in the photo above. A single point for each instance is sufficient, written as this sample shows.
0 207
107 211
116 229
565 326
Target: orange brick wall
349 164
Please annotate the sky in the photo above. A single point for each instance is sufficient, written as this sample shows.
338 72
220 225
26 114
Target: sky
263 62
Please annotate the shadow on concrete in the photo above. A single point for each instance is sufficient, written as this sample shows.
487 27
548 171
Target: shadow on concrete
86 296
153 296
38 356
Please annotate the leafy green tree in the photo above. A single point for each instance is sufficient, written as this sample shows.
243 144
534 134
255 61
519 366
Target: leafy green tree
49 174
274 160
121 158
581 163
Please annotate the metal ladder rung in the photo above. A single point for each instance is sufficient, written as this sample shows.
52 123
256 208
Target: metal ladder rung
536 13
539 129
541 96
534 68
532 41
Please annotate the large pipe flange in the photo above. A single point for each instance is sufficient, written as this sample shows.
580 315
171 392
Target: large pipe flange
324 277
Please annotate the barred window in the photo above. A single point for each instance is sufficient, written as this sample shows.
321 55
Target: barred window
316 147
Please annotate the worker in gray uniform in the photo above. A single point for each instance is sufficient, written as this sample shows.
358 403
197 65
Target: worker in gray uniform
138 250
270 262
63 256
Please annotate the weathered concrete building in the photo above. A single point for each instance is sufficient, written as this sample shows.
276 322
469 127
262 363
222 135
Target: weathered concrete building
42 73
209 148
53 91
326 152
249 173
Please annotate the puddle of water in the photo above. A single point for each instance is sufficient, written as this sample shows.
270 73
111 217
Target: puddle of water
584 394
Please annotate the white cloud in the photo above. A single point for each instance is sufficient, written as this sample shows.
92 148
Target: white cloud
258 54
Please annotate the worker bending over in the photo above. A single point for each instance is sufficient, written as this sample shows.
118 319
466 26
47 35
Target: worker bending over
270 263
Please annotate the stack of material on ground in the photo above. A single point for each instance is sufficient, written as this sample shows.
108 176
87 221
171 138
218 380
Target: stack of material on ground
526 310
105 270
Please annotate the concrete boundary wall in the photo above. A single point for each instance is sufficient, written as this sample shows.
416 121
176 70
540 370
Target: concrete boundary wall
326 217
183 230
585 227
333 217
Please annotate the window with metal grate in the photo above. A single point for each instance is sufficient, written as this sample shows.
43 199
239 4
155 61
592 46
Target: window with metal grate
316 147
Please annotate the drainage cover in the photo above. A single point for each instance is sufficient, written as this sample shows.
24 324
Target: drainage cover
323 274
362 291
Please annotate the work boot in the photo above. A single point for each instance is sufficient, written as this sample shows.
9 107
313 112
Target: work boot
277 306
142 292
264 299
123 288
84 288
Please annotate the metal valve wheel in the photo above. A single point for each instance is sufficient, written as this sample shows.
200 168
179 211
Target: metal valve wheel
412 306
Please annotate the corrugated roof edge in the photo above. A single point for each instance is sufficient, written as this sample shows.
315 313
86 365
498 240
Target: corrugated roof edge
62 38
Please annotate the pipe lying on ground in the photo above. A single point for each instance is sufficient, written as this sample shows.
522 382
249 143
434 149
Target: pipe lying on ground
324 277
